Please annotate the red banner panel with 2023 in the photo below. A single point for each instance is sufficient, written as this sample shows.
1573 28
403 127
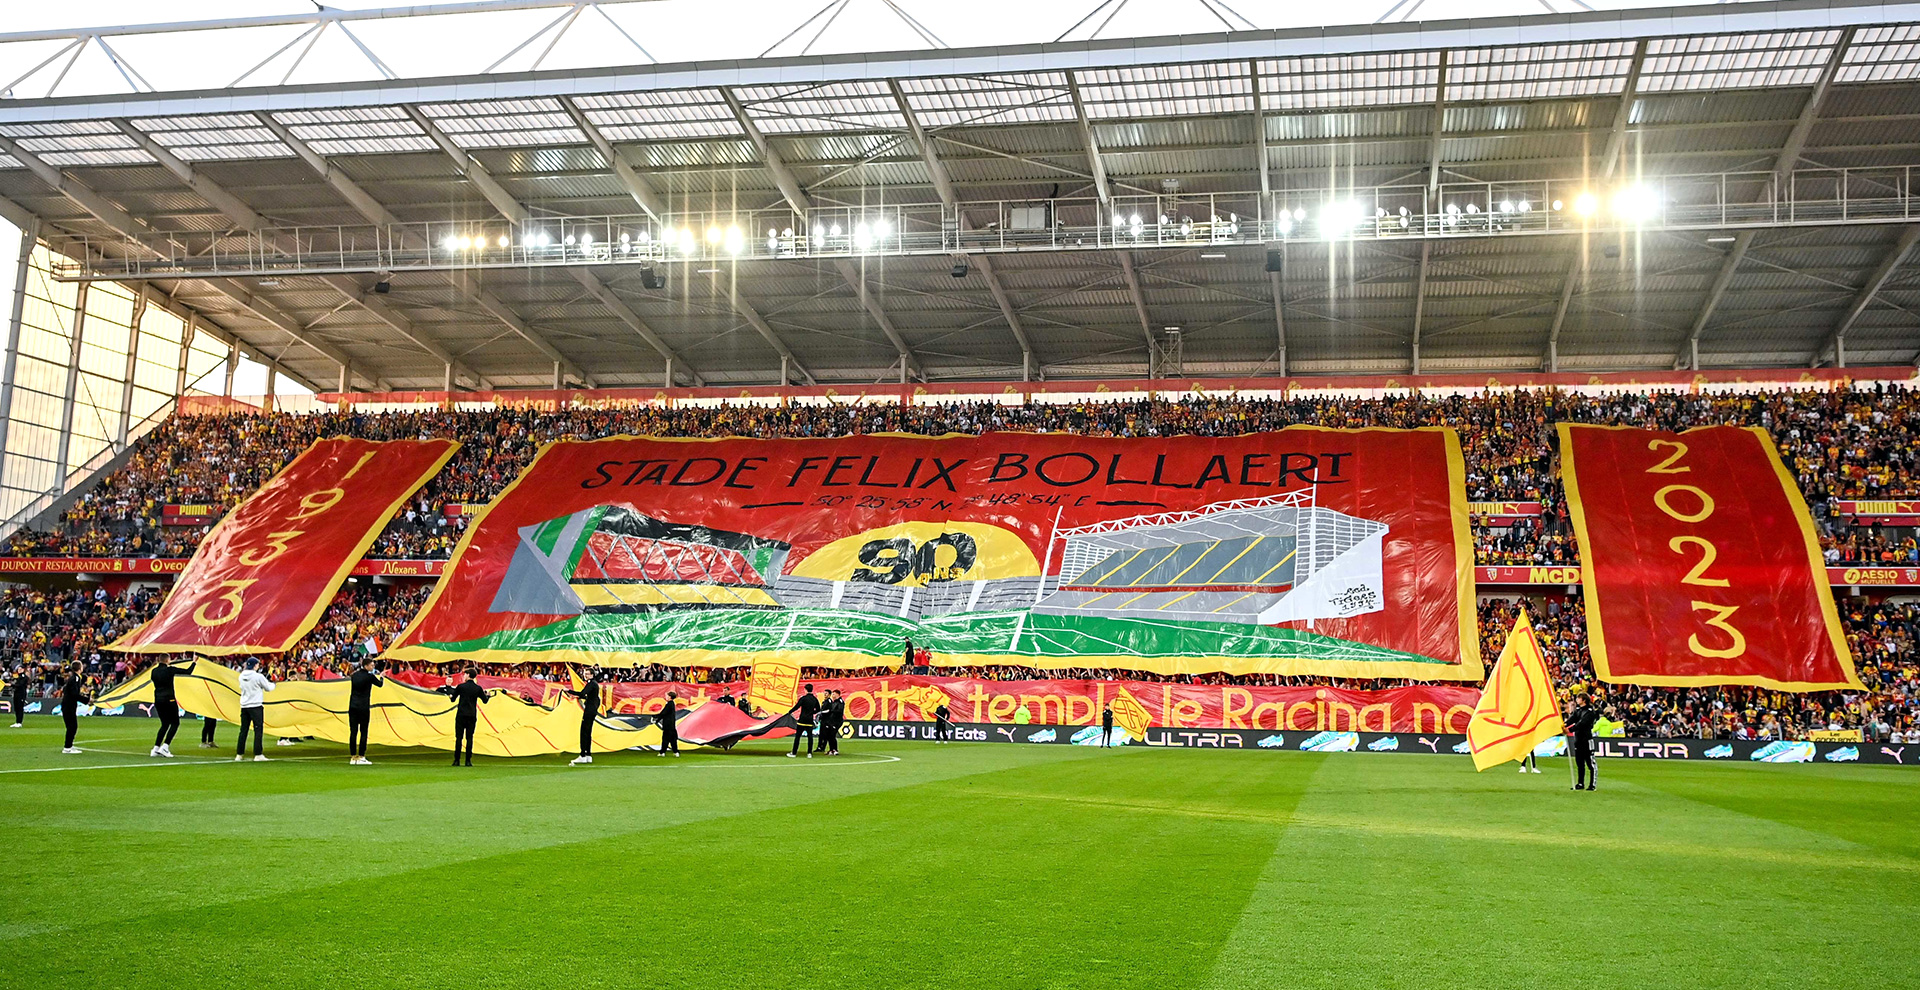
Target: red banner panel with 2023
1700 563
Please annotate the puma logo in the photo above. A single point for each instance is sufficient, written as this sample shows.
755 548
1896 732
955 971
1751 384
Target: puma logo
1431 744
1895 753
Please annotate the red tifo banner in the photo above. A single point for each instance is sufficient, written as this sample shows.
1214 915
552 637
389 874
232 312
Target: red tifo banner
912 697
1699 561
263 575
1300 551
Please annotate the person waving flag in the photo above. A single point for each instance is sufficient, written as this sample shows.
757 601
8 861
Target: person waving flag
1517 708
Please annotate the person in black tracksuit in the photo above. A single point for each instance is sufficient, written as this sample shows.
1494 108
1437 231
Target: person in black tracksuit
207 724
669 719
589 695
832 716
804 712
166 704
943 723
466 717
73 693
1106 726
365 678
1586 770
19 698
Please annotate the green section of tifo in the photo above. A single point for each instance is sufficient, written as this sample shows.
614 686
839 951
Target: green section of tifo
1012 634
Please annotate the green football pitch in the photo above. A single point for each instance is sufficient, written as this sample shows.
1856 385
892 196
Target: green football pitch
957 866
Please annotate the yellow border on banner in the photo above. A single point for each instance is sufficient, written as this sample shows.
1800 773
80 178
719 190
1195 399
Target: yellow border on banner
1590 589
1822 588
1472 665
321 601
1463 558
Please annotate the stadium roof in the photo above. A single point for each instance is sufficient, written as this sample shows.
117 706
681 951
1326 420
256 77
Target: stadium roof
1749 167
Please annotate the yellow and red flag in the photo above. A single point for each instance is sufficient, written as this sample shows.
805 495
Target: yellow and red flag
1130 714
1518 708
773 686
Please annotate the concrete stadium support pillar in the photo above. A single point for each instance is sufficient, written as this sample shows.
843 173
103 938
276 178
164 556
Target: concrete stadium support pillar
74 344
273 379
29 239
133 356
233 365
187 333
559 379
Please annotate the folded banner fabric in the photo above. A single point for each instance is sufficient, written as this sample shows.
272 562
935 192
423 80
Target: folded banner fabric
1518 709
261 578
1699 561
1303 551
913 697
403 715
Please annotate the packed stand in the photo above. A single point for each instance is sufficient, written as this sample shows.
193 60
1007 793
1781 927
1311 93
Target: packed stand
1860 443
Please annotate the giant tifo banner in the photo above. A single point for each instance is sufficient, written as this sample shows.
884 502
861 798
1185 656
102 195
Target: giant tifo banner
913 698
1303 551
263 575
1699 561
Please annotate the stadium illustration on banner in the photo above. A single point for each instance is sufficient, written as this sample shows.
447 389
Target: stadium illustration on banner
1283 552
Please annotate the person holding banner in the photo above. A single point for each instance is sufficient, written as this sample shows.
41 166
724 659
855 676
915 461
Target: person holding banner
207 724
467 695
367 675
589 693
1586 771
19 696
253 711
833 714
804 712
669 728
73 693
166 704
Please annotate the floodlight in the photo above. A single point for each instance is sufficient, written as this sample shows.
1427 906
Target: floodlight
1636 203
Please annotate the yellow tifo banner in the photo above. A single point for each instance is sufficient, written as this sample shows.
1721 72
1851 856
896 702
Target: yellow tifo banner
1518 708
403 715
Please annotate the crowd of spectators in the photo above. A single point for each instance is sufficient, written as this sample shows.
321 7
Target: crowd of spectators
1883 637
1839 443
41 630
1847 443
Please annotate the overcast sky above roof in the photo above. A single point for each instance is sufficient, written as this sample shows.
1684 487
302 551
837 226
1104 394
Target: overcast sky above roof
618 33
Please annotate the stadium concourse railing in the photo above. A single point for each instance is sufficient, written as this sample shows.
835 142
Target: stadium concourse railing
1702 201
